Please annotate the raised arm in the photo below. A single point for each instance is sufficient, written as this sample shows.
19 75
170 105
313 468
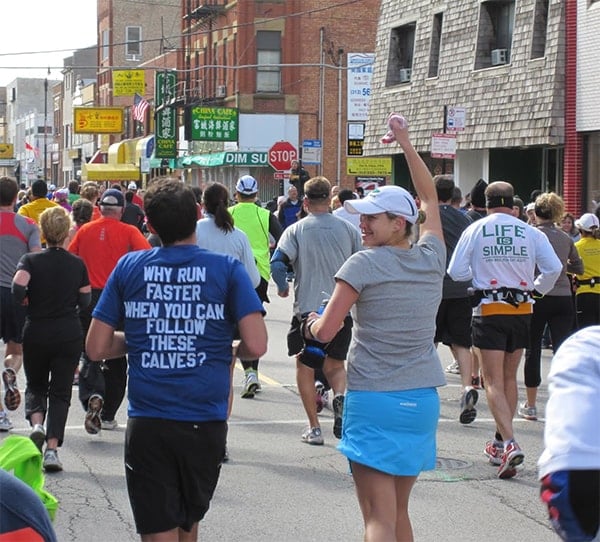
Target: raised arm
420 176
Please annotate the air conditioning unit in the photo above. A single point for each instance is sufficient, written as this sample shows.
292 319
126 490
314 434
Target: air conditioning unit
405 75
221 91
499 57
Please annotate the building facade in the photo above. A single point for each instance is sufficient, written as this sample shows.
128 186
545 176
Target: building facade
500 62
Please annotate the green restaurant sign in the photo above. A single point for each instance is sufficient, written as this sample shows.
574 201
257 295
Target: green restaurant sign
212 124
228 158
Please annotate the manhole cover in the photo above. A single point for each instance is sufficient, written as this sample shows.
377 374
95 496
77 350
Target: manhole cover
445 463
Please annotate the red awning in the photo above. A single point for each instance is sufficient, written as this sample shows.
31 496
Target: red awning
99 157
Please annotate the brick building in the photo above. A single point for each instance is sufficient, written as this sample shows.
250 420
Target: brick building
503 61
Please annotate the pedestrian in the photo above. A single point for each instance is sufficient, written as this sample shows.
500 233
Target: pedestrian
81 213
18 236
73 188
136 199
258 224
52 334
555 309
499 253
132 214
61 197
287 212
569 467
298 176
316 247
477 200
38 204
179 361
567 224
453 320
91 192
100 244
587 296
344 195
392 406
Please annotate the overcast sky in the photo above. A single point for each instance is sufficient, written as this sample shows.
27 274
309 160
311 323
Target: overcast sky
56 27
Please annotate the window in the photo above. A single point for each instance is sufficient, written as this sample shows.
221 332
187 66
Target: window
105 44
494 38
436 41
402 44
133 43
268 51
540 25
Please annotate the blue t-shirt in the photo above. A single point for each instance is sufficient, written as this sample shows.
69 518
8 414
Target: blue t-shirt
180 306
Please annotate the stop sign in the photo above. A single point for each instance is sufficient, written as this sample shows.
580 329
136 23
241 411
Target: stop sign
281 154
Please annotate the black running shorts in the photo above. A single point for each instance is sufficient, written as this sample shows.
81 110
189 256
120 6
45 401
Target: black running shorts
172 469
501 332
453 322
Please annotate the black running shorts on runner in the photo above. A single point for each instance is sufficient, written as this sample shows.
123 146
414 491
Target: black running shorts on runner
453 322
501 332
12 317
172 469
336 349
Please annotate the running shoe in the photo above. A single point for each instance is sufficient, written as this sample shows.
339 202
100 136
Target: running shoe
453 368
5 423
338 411
494 450
511 458
38 435
12 397
468 400
92 422
251 385
109 425
528 412
51 462
312 435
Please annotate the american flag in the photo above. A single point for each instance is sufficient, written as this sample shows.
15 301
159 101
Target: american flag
140 106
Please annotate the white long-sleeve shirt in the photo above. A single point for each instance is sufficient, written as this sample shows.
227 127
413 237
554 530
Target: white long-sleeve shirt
572 431
504 249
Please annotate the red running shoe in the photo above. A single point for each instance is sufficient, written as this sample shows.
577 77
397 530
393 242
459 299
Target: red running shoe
511 458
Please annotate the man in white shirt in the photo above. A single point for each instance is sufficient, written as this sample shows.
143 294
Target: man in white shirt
500 253
345 195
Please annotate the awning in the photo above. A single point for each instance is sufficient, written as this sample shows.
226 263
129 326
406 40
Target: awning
110 172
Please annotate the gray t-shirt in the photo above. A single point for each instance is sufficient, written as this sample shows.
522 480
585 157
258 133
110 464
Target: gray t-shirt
317 246
399 291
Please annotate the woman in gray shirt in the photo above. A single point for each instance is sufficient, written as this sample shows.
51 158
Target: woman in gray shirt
392 406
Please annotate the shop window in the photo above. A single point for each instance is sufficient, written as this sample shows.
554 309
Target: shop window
494 36
540 26
105 44
400 60
436 42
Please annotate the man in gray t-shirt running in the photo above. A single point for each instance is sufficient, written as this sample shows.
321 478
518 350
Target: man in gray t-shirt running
316 247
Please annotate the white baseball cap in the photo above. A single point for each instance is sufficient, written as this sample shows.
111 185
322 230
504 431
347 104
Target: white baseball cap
587 222
247 185
385 199
132 186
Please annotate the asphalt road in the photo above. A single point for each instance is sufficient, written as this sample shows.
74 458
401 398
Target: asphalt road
276 488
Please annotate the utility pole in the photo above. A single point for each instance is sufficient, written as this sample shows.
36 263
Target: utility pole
46 126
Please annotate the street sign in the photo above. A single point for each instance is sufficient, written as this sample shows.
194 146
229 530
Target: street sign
455 119
281 154
311 151
279 175
443 146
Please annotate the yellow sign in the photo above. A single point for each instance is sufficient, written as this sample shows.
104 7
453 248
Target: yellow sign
128 82
98 120
7 150
369 166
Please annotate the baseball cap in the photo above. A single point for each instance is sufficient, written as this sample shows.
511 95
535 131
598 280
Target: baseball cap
132 186
112 198
247 185
587 222
52 187
385 199
530 207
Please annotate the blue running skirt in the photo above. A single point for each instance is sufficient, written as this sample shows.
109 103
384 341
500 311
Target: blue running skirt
392 432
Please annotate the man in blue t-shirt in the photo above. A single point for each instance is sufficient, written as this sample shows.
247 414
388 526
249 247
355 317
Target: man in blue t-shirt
180 306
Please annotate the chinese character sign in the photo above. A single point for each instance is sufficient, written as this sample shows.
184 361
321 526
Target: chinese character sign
360 73
166 134
213 124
